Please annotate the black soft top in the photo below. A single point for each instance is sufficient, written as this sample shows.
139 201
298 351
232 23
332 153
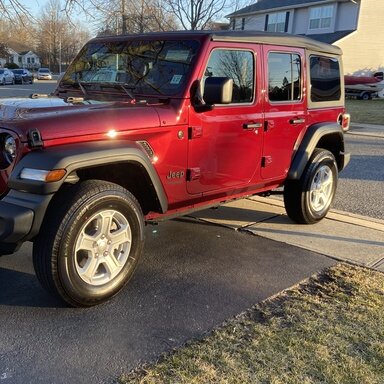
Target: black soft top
233 36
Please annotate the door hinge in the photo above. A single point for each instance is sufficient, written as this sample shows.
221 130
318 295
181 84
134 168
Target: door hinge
265 161
193 174
195 132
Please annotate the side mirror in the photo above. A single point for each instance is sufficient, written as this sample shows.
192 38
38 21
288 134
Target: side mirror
218 90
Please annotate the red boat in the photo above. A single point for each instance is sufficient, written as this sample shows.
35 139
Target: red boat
364 87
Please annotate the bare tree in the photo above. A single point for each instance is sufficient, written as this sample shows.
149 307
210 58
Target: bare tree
124 16
197 14
3 50
13 10
58 40
17 34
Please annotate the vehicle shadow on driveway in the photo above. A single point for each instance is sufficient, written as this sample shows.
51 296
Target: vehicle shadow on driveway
22 289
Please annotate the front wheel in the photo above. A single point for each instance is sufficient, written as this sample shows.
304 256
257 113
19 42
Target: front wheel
309 199
90 243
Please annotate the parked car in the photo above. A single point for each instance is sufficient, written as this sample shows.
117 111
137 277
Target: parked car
44 74
6 76
23 76
193 120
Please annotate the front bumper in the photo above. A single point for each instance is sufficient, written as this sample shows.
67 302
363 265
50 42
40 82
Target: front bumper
21 215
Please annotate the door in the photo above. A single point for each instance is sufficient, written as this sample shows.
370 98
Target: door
285 106
224 146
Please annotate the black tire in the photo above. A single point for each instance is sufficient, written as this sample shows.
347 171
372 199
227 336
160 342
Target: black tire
72 256
309 199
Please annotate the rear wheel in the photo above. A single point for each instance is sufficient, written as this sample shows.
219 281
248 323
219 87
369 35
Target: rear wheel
90 243
309 199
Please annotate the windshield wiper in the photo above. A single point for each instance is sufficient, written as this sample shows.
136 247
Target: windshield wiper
85 93
127 89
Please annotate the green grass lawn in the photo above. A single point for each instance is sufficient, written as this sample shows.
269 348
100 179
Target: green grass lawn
366 111
329 329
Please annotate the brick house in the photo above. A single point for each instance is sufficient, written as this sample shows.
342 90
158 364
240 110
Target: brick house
356 26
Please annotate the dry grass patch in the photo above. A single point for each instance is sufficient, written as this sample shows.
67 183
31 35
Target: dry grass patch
366 111
327 330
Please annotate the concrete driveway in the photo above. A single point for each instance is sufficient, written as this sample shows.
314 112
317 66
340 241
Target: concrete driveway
193 276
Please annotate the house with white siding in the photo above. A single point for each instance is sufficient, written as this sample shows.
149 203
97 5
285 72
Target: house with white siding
356 26
25 59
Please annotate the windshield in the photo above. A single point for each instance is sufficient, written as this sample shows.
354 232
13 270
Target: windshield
149 67
44 70
18 71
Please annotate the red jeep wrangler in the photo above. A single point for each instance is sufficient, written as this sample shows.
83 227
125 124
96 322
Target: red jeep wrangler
147 127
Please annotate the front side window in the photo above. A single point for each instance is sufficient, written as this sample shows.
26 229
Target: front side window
237 65
320 17
284 77
325 78
277 22
149 67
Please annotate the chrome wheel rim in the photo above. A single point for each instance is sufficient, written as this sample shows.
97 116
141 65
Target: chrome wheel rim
321 189
102 247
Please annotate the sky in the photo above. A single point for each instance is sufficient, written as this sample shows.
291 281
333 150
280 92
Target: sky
35 7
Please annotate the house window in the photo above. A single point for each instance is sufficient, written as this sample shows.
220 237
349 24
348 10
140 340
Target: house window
277 22
28 60
233 24
19 59
33 60
325 78
284 77
320 17
237 65
242 23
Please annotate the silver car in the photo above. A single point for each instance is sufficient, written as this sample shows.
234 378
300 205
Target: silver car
44 74
6 76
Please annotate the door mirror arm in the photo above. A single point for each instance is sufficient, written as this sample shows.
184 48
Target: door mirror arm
197 100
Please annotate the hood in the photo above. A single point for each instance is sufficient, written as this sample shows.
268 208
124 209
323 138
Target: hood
56 118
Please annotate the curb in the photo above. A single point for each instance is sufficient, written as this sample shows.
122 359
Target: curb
336 215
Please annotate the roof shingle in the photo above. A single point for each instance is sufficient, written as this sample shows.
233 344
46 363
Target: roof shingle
264 5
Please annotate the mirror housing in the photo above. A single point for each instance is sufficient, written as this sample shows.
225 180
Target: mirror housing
218 90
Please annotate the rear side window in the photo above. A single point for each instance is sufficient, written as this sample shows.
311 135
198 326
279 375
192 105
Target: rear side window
284 77
325 78
237 65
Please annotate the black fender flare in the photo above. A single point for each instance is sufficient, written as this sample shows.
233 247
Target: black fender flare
72 157
331 133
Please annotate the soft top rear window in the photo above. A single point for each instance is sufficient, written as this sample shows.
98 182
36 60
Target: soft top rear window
325 78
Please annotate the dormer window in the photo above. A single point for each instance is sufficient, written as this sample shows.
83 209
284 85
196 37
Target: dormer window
320 17
277 22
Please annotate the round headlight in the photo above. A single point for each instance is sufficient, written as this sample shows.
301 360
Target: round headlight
10 148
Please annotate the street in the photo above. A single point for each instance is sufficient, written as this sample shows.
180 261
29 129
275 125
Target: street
24 90
361 184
